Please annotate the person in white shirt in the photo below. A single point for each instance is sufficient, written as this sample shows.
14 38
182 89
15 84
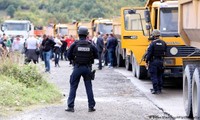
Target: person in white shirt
94 39
17 48
18 44
31 45
57 50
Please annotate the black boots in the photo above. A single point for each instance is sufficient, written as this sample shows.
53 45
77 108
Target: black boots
91 109
69 109
72 109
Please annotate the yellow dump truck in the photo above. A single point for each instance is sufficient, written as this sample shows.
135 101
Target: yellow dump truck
98 25
73 29
136 26
95 25
189 29
61 29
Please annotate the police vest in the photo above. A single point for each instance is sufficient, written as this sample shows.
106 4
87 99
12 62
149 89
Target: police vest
159 48
83 52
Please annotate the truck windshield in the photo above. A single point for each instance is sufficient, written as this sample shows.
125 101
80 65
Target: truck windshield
16 26
169 22
105 28
63 31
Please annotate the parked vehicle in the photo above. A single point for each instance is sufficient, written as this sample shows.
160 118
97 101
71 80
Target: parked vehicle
17 27
104 26
189 29
136 26
61 29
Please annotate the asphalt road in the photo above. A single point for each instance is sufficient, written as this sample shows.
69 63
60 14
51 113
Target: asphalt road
118 95
170 101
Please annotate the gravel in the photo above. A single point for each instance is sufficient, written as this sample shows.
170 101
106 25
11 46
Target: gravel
116 99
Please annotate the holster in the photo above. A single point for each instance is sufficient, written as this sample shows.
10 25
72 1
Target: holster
91 75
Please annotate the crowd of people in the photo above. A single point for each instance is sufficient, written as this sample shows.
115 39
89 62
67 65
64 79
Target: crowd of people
106 45
35 48
46 48
11 44
81 53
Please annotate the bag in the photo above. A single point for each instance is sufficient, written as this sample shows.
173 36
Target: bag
56 50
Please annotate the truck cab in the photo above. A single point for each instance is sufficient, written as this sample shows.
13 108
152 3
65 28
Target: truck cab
60 29
17 27
137 24
104 26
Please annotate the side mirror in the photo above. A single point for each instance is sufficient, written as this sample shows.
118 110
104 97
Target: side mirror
147 16
94 28
131 11
29 28
2 28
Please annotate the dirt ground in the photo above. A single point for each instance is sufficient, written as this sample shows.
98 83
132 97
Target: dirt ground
116 99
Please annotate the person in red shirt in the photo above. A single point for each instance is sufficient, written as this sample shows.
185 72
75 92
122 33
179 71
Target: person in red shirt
69 40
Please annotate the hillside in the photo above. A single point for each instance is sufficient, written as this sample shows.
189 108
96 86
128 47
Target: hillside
42 12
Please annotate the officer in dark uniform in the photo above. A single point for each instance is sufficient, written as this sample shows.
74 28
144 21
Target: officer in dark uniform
154 60
82 54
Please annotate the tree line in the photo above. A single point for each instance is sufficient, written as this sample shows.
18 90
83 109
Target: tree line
42 12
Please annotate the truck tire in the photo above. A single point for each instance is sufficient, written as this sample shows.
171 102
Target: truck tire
140 71
127 63
196 93
187 89
120 61
133 65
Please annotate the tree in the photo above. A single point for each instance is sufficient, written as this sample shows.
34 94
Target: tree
42 11
96 13
10 10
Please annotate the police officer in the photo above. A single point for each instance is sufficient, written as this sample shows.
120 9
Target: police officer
82 53
154 60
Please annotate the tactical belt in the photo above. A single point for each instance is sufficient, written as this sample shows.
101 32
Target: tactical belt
157 58
82 64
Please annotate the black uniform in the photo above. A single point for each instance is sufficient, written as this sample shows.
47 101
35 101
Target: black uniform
155 57
82 53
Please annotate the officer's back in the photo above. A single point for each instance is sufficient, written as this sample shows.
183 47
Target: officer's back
156 49
82 53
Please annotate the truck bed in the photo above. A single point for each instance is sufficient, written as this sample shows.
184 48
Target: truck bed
189 22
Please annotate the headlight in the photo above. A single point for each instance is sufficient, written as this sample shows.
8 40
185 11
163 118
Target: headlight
169 61
173 50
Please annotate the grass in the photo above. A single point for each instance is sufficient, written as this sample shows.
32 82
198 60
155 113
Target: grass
22 86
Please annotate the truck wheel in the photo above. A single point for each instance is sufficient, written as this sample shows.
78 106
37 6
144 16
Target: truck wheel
133 60
196 93
187 89
120 61
128 65
140 71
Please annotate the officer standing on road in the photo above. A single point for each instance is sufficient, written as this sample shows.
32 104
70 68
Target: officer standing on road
154 60
82 53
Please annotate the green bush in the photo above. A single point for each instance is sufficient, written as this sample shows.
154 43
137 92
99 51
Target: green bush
14 93
24 85
27 74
